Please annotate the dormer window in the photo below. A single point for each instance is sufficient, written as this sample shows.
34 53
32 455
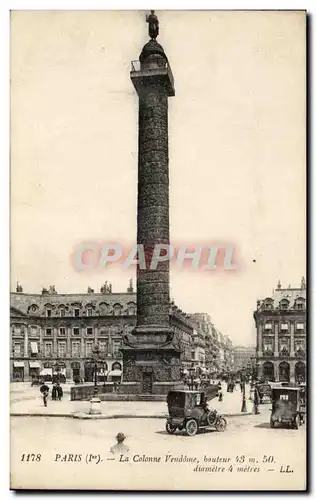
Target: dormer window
300 304
62 313
89 311
48 313
284 305
77 312
117 310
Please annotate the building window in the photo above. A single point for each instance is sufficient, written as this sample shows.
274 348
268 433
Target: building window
76 312
33 331
48 313
76 331
103 345
89 348
62 330
284 326
34 348
89 330
16 349
48 347
48 331
284 305
61 349
300 326
62 313
16 330
131 310
76 349
268 326
90 311
116 347
268 305
117 310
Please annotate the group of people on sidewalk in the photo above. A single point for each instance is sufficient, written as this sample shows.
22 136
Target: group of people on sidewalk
57 392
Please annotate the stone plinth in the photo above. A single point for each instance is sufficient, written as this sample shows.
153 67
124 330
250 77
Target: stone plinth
95 408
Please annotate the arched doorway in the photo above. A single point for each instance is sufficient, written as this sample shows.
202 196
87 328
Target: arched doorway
88 372
268 371
300 372
284 372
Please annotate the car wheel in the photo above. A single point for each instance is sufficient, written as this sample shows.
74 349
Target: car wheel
211 417
221 424
171 429
191 427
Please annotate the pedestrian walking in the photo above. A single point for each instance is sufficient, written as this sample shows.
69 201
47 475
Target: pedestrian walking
44 390
256 402
54 392
59 391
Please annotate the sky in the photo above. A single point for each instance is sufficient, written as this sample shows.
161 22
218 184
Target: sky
236 150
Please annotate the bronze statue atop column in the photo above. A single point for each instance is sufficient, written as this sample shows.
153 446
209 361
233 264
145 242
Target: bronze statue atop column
153 28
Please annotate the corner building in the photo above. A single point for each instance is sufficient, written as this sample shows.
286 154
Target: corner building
281 335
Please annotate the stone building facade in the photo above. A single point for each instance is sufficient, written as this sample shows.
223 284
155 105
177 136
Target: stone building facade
281 334
211 350
51 330
243 355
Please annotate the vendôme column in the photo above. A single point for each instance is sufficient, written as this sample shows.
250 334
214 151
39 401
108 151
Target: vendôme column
151 355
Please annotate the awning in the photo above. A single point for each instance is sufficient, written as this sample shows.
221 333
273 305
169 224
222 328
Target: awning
34 347
115 373
62 371
47 371
34 364
18 364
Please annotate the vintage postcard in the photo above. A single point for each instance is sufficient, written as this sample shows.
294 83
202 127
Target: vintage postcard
158 250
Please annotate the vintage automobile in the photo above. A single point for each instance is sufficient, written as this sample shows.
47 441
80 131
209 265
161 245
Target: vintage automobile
264 392
287 407
188 411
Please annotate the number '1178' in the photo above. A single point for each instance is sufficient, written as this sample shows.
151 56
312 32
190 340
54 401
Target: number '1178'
31 457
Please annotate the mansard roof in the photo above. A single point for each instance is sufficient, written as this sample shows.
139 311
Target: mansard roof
24 302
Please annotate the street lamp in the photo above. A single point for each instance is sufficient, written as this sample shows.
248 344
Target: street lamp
95 360
244 405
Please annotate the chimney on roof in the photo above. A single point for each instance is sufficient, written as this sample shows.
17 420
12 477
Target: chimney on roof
106 288
130 288
19 288
90 290
279 285
44 291
52 290
303 283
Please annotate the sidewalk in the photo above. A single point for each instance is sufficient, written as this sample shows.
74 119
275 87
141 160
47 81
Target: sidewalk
33 406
